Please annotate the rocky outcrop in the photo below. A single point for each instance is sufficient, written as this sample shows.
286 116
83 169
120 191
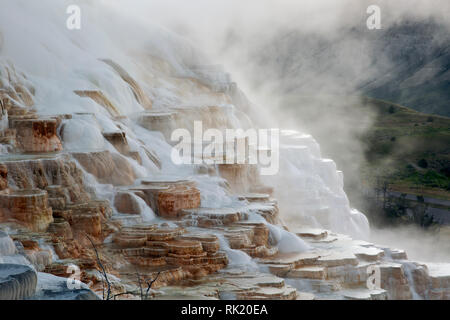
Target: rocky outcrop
86 219
236 175
8 137
36 135
106 167
163 122
235 284
60 213
439 281
57 222
26 207
119 140
168 197
345 271
125 202
16 281
57 174
100 98
162 247
89 218
3 177
171 201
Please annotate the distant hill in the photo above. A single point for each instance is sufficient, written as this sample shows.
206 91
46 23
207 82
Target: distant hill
372 140
419 76
407 63
318 77
409 148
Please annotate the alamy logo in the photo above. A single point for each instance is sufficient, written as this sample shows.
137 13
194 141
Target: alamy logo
228 146
374 20
73 22
73 281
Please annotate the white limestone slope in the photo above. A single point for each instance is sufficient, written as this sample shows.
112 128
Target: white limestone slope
57 61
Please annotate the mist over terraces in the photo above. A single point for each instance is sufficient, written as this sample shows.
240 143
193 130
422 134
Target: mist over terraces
87 183
406 62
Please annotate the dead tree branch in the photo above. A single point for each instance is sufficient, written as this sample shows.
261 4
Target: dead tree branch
140 286
123 293
108 284
150 283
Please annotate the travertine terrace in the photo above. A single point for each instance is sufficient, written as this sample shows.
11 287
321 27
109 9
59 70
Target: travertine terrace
94 176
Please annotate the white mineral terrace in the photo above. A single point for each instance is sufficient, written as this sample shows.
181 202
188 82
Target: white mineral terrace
105 175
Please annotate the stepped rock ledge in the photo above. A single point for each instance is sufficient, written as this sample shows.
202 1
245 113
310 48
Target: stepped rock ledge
85 168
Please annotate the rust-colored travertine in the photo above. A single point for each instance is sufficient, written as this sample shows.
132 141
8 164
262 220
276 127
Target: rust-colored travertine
3 177
177 198
119 140
106 167
59 176
125 202
37 135
50 208
161 246
100 98
26 207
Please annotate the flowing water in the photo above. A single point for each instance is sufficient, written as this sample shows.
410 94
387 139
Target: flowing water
175 76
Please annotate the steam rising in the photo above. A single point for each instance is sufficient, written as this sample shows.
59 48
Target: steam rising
279 53
259 42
